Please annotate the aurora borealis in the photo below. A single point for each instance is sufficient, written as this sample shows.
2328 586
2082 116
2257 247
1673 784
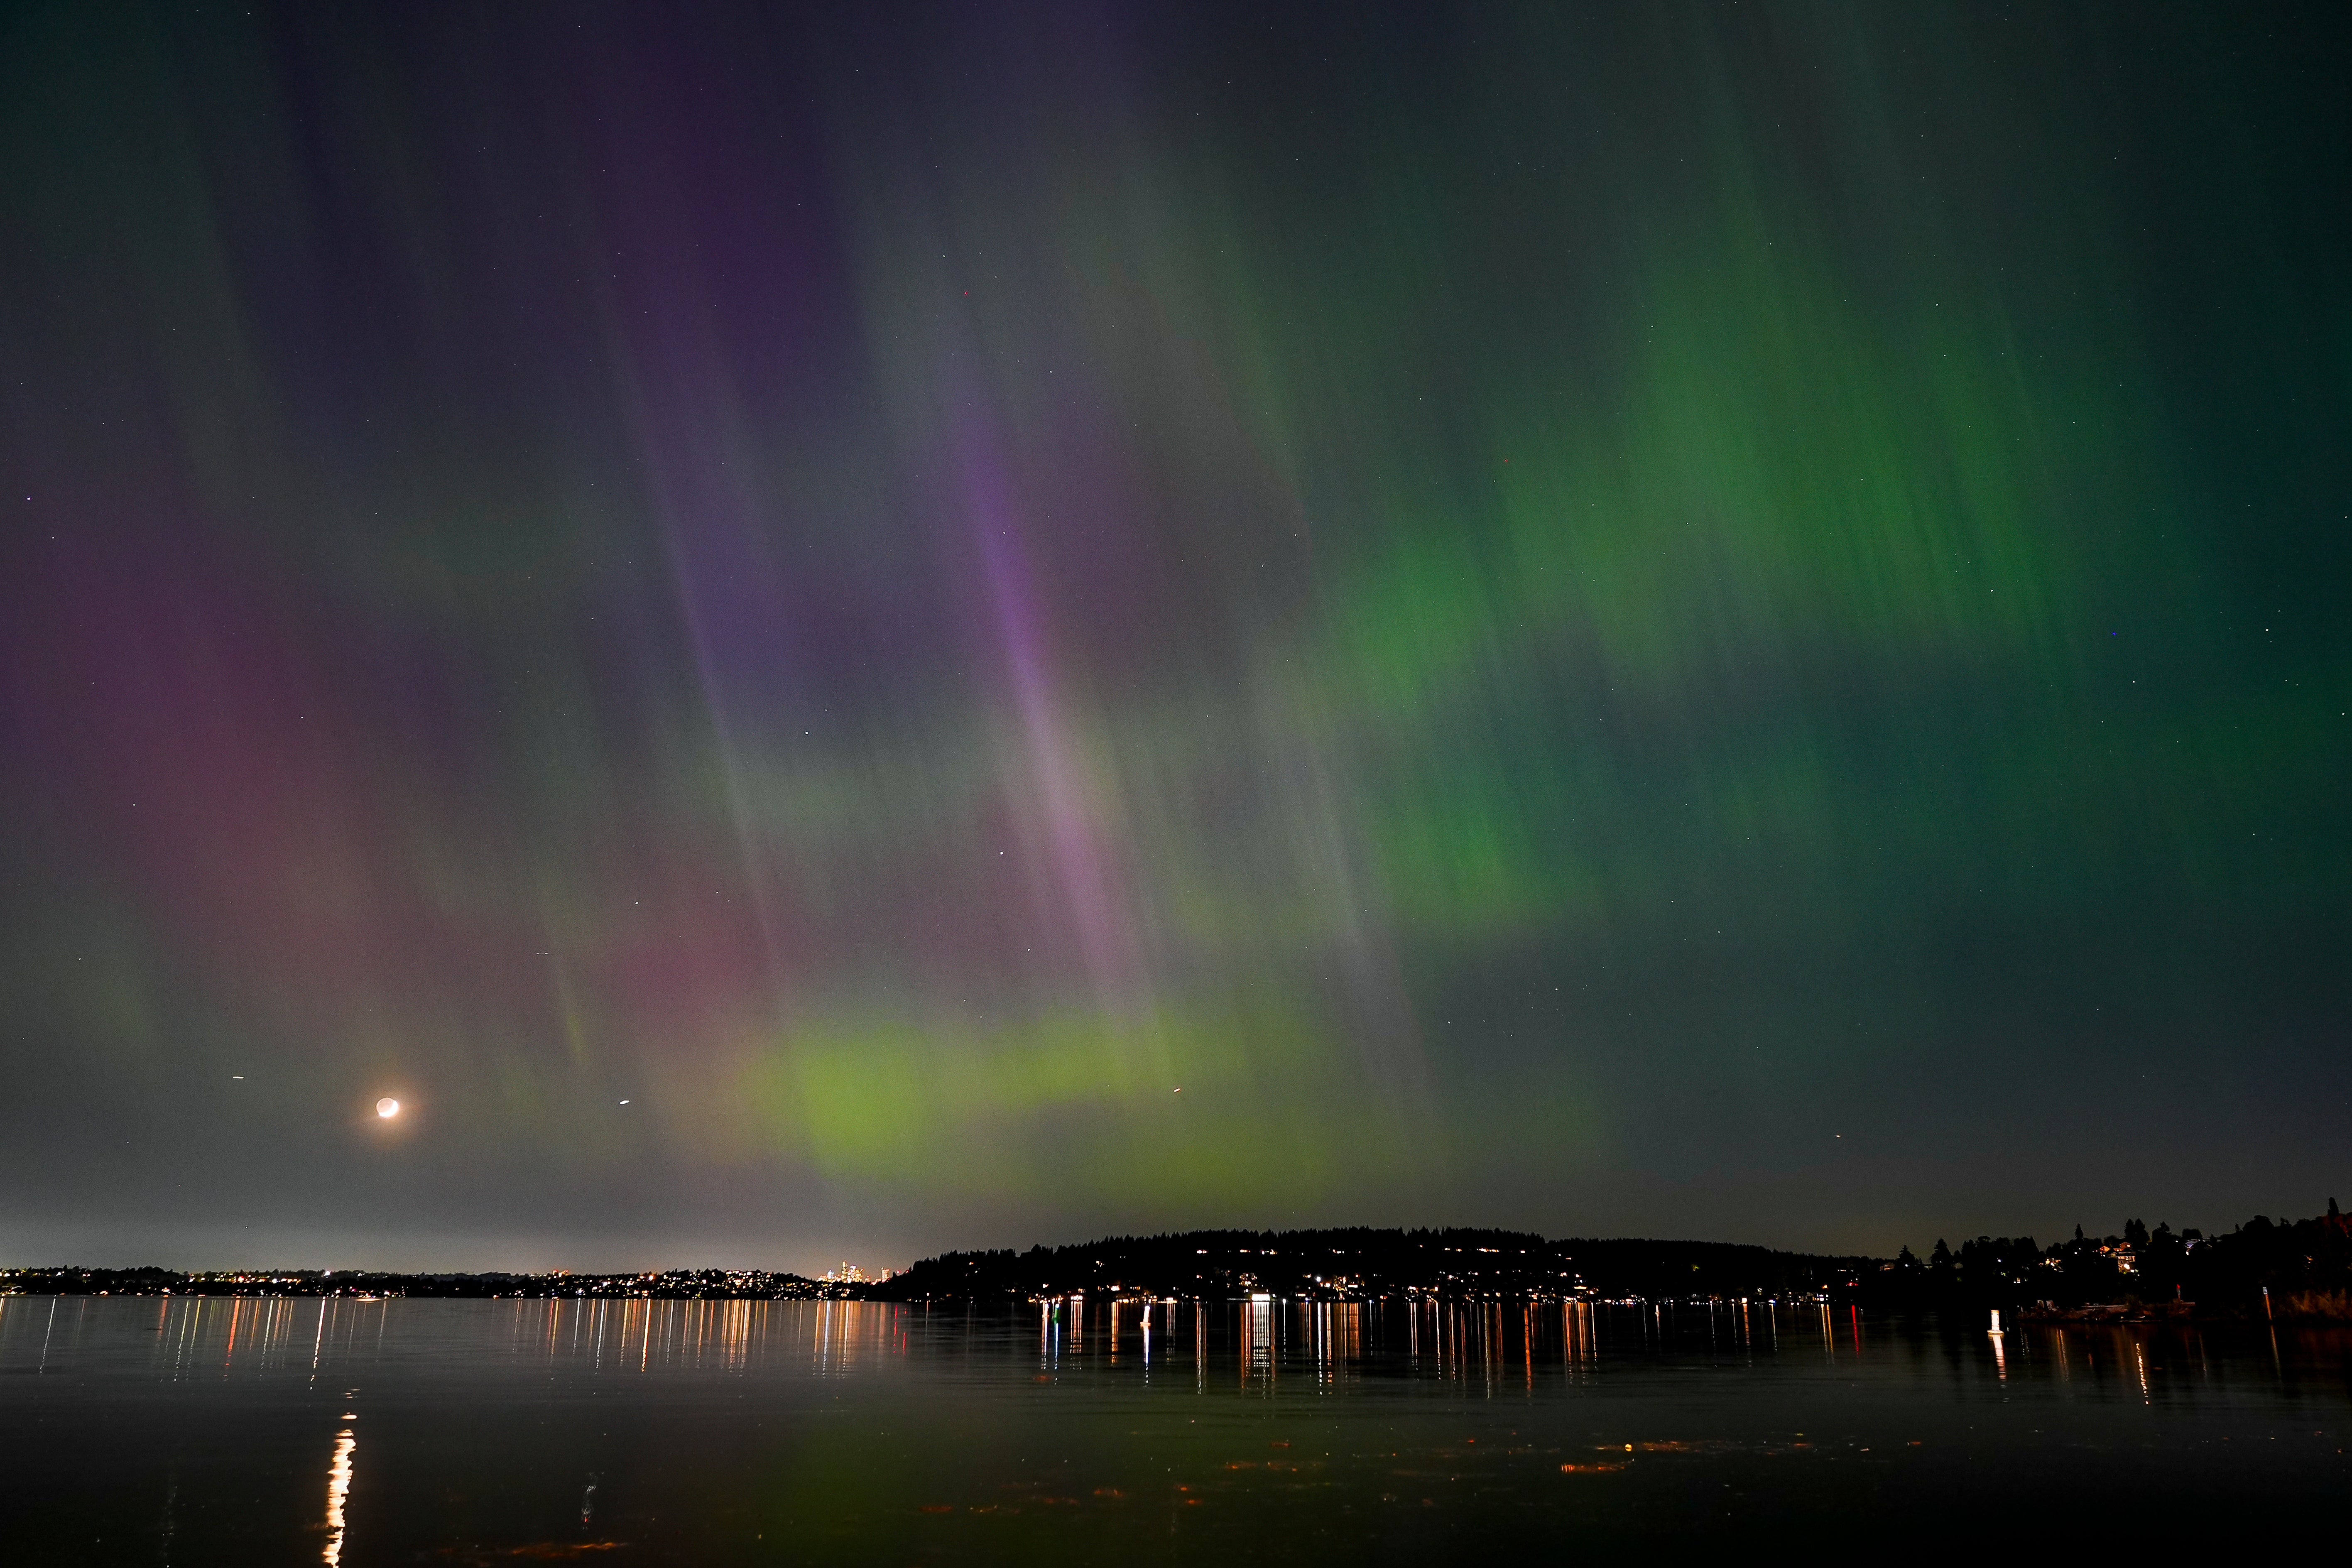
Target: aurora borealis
1017 621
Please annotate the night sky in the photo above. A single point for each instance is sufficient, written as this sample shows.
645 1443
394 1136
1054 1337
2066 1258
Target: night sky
836 635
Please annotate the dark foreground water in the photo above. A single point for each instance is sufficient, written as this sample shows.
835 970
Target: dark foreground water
286 1431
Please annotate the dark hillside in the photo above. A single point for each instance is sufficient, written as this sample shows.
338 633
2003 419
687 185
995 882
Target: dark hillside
1361 1261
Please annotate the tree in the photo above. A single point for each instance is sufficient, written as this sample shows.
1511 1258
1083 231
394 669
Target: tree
1941 1260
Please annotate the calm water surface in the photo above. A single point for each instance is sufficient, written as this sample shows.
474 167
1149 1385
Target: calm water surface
217 1431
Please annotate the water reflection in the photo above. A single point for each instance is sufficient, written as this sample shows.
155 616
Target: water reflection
1577 1348
339 1486
1140 1311
1334 1335
1257 1321
1489 1343
574 1417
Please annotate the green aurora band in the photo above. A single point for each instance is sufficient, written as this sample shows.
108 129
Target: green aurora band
1704 619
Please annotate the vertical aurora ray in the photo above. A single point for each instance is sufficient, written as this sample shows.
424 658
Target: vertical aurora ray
1595 618
1073 839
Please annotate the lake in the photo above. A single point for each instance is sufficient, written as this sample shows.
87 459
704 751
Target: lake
286 1430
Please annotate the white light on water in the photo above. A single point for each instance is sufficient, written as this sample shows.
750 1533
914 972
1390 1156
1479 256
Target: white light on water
338 1484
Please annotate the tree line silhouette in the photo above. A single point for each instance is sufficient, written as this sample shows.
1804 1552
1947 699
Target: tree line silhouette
2298 1268
2279 1269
